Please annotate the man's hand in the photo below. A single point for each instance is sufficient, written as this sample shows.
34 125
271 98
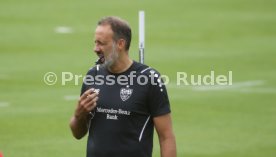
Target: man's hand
86 104
79 122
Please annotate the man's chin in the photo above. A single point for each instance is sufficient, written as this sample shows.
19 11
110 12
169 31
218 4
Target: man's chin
108 63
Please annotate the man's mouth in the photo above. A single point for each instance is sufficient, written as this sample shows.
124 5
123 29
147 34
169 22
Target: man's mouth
101 58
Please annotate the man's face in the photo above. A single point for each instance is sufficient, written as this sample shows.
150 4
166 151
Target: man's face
105 46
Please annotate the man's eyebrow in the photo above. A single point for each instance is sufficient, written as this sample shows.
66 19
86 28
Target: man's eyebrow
98 41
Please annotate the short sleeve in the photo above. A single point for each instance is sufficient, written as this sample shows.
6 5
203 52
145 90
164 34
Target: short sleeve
85 84
84 87
159 103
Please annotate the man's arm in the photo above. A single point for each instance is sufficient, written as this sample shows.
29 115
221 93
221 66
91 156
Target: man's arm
80 119
163 126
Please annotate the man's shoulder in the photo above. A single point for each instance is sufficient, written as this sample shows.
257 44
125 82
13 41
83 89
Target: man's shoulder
145 69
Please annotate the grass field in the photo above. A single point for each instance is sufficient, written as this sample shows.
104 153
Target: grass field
193 36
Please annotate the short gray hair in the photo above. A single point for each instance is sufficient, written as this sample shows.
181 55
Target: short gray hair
120 28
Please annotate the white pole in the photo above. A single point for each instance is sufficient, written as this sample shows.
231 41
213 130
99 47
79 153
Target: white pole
141 36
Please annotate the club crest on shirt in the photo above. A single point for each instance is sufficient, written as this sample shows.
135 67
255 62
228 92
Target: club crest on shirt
125 93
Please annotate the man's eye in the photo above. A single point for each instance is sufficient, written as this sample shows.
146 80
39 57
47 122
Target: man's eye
100 43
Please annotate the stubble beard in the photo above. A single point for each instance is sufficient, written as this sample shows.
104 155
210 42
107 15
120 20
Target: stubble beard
110 60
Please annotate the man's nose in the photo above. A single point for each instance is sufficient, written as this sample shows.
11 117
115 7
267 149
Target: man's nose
96 49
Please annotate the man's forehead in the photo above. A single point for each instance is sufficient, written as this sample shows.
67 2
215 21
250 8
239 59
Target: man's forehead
104 30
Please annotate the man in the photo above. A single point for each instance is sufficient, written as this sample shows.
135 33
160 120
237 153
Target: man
120 118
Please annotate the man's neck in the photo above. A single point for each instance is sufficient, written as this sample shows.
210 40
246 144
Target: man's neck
121 65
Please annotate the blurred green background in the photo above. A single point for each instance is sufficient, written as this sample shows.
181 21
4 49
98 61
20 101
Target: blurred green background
192 36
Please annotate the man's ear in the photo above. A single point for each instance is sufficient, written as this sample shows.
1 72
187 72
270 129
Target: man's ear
121 44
